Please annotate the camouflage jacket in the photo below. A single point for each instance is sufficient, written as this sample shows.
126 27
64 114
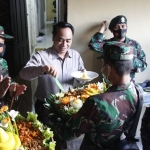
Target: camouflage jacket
4 71
145 129
139 65
102 118
3 67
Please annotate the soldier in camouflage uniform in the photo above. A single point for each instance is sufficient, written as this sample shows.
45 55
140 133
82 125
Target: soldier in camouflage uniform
118 26
104 117
145 129
14 89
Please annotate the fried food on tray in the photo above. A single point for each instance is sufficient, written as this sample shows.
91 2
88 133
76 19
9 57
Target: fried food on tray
30 136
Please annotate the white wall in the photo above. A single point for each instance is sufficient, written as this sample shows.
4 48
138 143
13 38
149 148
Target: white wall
86 17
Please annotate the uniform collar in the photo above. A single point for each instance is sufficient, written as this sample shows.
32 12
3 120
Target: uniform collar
121 87
126 40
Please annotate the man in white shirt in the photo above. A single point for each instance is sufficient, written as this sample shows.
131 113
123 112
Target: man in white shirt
58 60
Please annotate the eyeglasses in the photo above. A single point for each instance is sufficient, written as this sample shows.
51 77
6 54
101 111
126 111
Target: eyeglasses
120 26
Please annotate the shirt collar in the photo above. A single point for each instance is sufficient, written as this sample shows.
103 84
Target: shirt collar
56 56
69 54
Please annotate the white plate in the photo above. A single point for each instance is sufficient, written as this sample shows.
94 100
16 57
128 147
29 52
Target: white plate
90 75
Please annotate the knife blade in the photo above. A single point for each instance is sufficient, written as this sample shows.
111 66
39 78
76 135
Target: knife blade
59 84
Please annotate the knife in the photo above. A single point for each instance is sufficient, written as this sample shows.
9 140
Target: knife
59 84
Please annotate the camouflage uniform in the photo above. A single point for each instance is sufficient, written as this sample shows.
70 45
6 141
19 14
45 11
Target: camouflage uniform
96 44
103 117
4 72
145 130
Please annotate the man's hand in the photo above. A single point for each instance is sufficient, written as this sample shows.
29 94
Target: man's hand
16 89
49 70
4 85
103 27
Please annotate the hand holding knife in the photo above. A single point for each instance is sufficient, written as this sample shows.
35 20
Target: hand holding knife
52 71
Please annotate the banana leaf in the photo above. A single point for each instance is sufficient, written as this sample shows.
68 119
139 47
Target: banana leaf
56 113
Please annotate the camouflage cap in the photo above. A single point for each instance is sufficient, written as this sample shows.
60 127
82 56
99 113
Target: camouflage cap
3 35
117 20
117 51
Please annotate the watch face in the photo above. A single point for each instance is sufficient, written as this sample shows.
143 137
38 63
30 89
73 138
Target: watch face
3 71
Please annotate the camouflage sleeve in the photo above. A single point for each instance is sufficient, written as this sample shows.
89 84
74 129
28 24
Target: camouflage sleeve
145 129
139 58
4 69
79 124
96 42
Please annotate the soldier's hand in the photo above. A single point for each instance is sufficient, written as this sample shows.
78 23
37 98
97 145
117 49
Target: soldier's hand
103 27
16 89
49 69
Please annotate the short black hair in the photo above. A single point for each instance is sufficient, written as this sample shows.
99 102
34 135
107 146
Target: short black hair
121 67
62 25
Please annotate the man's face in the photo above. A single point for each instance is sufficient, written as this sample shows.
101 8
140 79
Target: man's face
1 41
63 40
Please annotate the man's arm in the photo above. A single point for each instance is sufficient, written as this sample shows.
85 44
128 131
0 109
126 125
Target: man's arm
97 41
81 64
33 68
140 59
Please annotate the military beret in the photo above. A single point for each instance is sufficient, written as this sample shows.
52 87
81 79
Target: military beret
117 20
3 35
117 51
